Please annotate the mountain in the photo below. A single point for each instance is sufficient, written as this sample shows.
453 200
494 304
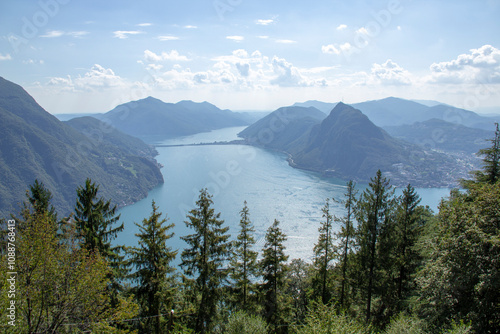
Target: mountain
67 117
36 145
442 135
393 111
153 117
430 103
282 128
463 117
101 133
325 107
346 144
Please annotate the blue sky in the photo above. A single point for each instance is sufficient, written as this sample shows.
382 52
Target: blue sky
89 56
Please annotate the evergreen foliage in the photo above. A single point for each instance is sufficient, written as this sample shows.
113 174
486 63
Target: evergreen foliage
346 234
402 270
409 223
244 265
374 216
323 254
491 161
205 258
153 271
274 268
94 219
461 276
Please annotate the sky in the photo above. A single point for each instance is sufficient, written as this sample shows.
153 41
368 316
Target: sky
76 56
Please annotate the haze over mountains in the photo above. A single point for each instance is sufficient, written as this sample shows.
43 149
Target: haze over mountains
153 117
394 111
425 143
348 145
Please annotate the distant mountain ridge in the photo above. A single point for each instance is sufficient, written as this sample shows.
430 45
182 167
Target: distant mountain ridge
153 117
348 145
36 145
394 111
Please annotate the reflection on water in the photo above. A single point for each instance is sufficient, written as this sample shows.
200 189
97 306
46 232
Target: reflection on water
235 173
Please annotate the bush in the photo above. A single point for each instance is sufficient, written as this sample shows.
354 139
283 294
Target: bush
405 324
243 323
326 320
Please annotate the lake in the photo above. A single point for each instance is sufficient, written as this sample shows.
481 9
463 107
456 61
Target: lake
237 173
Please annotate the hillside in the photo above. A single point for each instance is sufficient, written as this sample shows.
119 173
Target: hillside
282 128
442 135
36 145
104 134
346 144
151 117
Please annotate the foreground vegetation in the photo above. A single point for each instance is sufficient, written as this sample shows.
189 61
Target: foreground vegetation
393 267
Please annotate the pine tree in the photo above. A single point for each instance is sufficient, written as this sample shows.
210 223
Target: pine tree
273 266
152 260
244 264
208 251
373 216
39 200
408 227
93 221
491 161
346 234
324 253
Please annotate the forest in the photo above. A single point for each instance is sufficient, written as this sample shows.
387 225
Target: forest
394 266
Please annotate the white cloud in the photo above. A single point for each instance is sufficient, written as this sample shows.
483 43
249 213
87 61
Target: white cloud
332 49
238 71
362 31
59 33
53 34
285 41
168 38
77 34
6 57
317 70
263 37
97 77
235 38
287 74
342 27
33 62
190 27
173 55
145 24
479 66
264 22
122 34
390 73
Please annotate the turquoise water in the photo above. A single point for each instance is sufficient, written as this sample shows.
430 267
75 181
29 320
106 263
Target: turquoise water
233 174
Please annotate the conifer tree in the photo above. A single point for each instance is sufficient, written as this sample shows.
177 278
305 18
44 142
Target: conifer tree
408 227
244 264
373 216
491 161
208 251
152 260
94 218
274 269
323 254
39 200
346 234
